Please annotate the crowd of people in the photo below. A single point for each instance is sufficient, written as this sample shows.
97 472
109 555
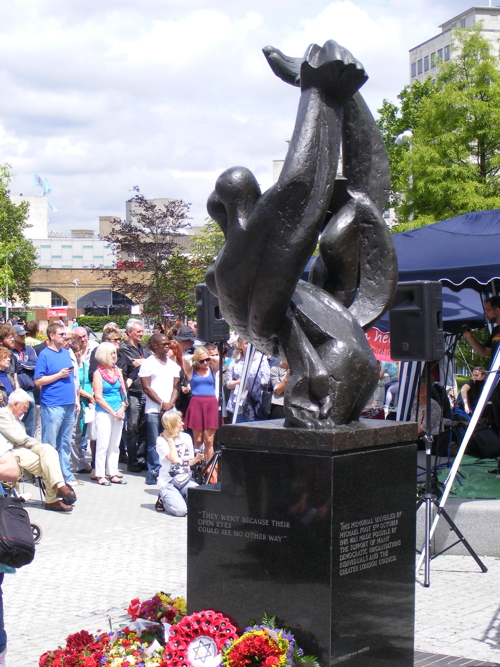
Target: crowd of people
124 398
127 398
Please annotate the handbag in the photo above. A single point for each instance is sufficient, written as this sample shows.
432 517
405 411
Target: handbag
199 472
265 404
17 547
181 479
89 414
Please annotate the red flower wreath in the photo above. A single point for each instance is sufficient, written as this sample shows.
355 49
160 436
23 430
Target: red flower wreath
198 638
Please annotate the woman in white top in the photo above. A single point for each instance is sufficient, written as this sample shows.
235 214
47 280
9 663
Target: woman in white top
176 454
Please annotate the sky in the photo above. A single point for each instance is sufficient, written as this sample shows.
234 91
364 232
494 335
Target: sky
104 95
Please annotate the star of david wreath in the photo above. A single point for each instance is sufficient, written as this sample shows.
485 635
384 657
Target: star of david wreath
198 639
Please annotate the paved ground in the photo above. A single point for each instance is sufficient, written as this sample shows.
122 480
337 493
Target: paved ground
114 547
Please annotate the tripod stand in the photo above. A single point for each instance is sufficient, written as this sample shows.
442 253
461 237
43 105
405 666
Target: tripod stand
430 499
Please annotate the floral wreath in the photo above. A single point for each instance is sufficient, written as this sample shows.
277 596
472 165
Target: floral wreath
266 645
259 646
198 640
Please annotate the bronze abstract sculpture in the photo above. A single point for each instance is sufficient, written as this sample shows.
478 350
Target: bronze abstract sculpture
318 327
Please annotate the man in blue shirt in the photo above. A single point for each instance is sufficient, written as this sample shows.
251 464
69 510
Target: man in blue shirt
54 376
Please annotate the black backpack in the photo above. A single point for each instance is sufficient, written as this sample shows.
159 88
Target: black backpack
484 443
17 547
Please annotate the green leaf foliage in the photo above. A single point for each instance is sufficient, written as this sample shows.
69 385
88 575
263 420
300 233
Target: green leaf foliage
466 358
396 118
206 245
183 271
453 164
178 284
17 254
97 322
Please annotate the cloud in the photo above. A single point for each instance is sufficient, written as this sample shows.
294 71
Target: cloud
166 94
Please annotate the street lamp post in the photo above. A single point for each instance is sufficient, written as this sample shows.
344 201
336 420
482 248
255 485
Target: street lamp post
75 283
7 285
406 137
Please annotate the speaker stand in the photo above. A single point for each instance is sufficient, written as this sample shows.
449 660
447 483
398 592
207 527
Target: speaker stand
429 499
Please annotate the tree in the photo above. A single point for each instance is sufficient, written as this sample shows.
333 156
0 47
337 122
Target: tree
466 358
18 257
454 162
183 271
206 245
180 278
395 119
143 246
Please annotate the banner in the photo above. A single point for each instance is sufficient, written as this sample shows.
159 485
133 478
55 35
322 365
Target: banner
57 312
380 343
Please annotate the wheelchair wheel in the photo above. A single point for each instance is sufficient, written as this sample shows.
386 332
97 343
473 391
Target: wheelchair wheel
37 532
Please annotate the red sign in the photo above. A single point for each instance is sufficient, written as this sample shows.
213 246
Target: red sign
124 264
380 343
57 312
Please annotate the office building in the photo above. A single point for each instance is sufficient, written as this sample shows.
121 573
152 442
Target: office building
425 58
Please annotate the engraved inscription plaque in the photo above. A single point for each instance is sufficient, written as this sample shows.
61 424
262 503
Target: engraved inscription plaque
324 540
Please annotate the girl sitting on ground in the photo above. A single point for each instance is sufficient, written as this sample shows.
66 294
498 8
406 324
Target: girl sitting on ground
176 454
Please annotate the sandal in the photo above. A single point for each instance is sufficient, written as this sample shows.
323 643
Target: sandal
102 481
114 479
118 474
159 505
93 475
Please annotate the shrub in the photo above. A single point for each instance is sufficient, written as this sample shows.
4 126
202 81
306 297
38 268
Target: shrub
96 323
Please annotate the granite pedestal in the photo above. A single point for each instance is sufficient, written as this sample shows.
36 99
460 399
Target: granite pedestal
317 528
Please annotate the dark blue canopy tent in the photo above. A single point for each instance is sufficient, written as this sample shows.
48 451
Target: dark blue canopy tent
462 252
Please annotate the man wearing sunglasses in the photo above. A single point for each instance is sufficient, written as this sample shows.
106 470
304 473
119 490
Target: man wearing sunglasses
54 375
160 379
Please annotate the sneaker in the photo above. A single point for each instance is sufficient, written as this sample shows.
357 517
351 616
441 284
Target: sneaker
495 471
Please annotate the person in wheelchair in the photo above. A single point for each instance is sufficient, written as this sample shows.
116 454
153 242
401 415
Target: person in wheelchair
39 459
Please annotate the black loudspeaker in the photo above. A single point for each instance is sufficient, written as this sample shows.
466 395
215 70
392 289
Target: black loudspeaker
416 322
212 328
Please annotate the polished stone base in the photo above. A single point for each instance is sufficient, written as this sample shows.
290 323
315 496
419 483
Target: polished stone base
320 534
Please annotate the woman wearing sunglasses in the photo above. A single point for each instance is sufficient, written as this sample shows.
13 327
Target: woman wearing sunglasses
202 413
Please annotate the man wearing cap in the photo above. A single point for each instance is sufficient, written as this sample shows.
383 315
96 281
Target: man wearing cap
185 337
26 362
